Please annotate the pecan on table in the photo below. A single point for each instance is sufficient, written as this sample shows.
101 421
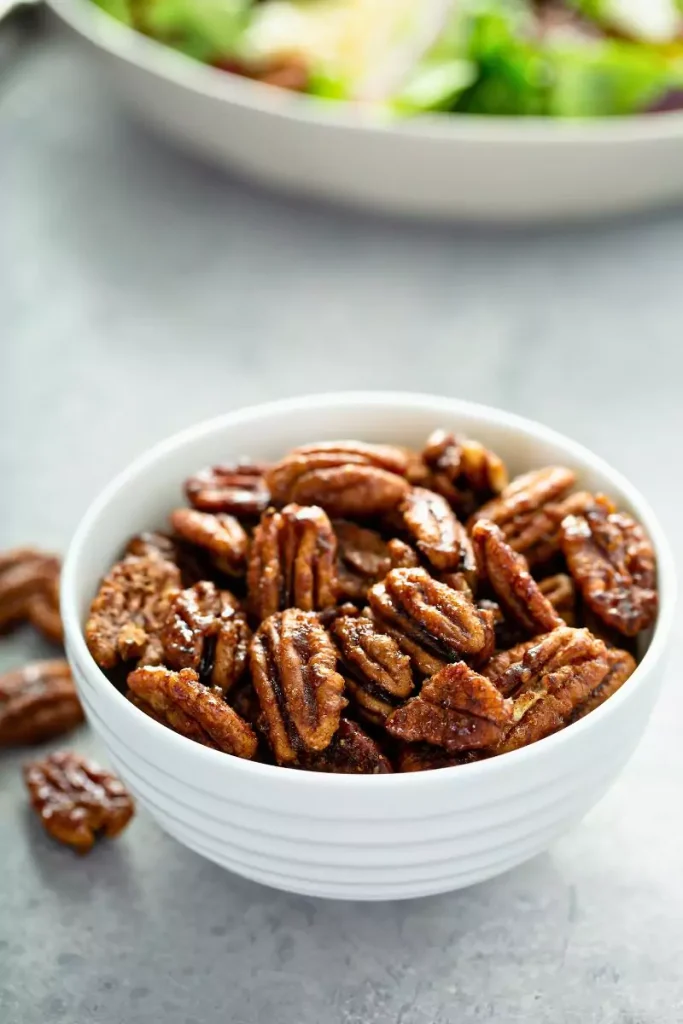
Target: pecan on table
292 561
613 562
363 558
515 588
221 535
561 592
463 471
432 623
378 674
192 709
621 666
239 489
346 478
438 535
76 800
129 610
206 630
457 709
421 757
43 611
25 574
351 752
37 702
293 667
530 509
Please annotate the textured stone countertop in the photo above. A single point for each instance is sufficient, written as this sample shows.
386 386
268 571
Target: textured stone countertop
141 291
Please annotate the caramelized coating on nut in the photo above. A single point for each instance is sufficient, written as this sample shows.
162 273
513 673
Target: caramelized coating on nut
516 590
438 535
192 709
221 535
346 478
421 757
37 702
130 609
293 666
621 666
26 575
613 562
239 489
351 752
364 558
457 709
378 674
463 471
43 611
292 561
76 800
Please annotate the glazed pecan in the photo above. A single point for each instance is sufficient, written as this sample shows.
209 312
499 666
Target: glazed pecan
530 509
421 757
402 556
150 542
432 622
194 563
457 709
516 590
25 574
438 535
192 709
561 592
293 666
37 702
621 666
351 752
378 674
221 535
76 800
613 562
129 610
347 478
239 489
43 611
363 558
463 471
292 561
206 630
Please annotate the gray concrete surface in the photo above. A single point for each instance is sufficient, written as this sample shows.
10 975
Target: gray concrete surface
140 291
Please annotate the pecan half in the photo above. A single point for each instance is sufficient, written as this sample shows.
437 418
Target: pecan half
439 536
402 555
25 574
363 558
530 509
194 564
432 622
613 562
421 757
221 535
378 674
130 608
351 752
463 471
37 702
457 709
514 586
292 561
621 666
239 489
347 478
206 630
561 592
192 709
293 666
76 800
43 611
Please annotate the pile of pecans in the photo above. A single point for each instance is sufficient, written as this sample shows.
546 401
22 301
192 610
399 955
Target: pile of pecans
363 608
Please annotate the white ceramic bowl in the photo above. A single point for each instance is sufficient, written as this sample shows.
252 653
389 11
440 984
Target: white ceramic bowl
483 168
343 836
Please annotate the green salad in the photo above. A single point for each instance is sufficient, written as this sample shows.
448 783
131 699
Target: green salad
577 58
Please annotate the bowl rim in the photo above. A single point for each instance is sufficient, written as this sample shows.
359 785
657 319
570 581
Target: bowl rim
123 42
77 649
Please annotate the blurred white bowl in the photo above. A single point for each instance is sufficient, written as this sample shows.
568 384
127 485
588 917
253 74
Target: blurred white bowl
484 168
342 836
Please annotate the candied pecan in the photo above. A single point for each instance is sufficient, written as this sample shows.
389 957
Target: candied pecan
351 752
561 592
193 710
129 610
402 556
421 757
621 666
530 509
239 489
347 478
25 574
441 538
463 471
221 535
194 564
206 630
457 709
37 702
150 542
514 586
293 561
429 618
364 558
76 800
613 562
43 611
378 674
293 666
